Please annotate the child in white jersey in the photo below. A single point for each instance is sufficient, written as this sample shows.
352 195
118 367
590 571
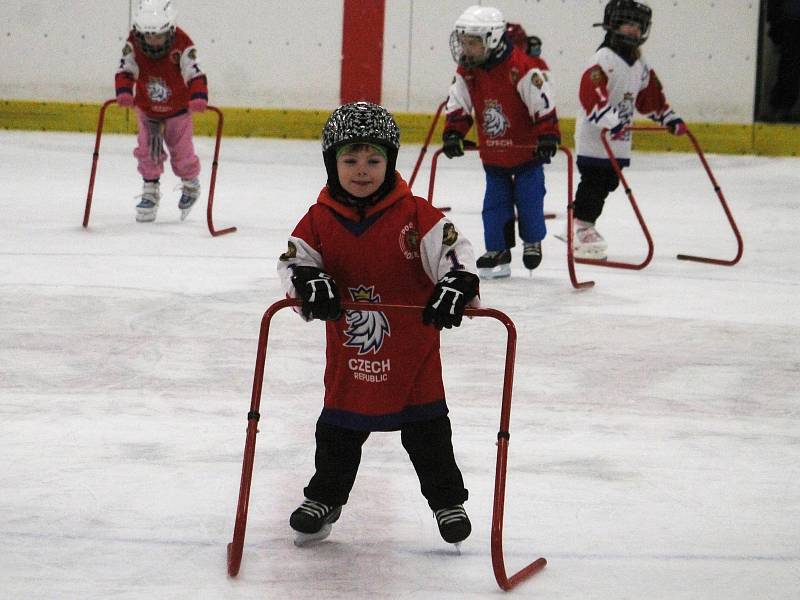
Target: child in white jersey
617 83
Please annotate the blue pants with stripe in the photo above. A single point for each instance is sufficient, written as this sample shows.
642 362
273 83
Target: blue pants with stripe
506 188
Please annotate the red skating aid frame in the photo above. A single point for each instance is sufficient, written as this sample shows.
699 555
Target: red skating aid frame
236 546
96 155
468 145
424 148
629 192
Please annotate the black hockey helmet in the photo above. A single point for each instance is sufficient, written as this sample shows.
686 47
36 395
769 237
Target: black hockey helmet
534 45
618 12
360 123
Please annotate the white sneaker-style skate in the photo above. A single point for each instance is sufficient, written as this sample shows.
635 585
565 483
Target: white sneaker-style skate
148 205
190 192
494 264
587 241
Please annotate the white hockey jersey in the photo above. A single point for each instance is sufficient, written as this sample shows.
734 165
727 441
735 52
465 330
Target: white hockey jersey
611 91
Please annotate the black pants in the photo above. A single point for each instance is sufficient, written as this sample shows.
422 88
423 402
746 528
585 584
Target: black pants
597 182
428 443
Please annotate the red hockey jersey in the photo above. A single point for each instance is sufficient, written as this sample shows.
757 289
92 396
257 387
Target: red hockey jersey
513 103
382 367
165 85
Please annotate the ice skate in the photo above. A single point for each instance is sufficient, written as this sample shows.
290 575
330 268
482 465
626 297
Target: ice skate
312 521
586 241
532 255
148 205
190 192
454 525
494 264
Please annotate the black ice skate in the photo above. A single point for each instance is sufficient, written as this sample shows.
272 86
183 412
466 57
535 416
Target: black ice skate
532 255
494 264
312 521
454 525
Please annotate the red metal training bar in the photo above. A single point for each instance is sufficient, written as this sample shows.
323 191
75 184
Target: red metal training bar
96 155
468 147
212 184
645 231
570 206
629 192
615 164
728 214
424 148
434 163
236 546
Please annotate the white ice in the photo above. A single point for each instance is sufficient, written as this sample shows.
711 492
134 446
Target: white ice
654 432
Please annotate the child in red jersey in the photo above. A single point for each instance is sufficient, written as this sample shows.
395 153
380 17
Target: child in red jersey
369 237
160 61
512 100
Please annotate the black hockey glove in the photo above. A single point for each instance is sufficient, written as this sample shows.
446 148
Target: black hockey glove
449 299
546 147
318 292
453 144
155 132
677 127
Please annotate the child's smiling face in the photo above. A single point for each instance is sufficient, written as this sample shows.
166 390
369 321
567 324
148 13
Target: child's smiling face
361 170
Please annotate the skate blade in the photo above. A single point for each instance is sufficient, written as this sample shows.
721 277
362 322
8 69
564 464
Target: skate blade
496 272
306 539
591 254
185 213
145 217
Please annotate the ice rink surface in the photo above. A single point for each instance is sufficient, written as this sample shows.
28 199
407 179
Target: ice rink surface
655 439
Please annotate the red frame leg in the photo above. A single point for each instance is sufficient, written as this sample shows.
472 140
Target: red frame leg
236 546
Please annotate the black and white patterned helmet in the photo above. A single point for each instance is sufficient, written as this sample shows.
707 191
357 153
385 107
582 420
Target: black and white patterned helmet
363 122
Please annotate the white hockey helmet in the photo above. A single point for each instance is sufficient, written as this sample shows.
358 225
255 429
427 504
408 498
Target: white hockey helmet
484 22
154 16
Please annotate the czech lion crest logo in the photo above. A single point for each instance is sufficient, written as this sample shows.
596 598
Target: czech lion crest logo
495 122
366 329
157 90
